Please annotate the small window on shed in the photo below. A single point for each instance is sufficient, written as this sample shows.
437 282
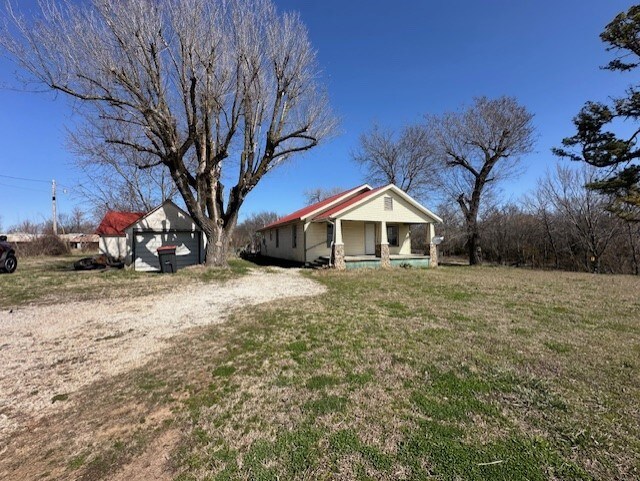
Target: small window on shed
277 237
294 236
388 203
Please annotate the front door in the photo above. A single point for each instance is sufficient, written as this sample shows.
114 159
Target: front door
370 239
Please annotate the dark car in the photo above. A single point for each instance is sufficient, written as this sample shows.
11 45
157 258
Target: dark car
8 260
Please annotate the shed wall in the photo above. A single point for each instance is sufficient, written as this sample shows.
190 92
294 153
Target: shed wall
166 217
115 246
167 225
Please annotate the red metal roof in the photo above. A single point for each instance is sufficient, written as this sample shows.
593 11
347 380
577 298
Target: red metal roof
114 222
297 215
346 203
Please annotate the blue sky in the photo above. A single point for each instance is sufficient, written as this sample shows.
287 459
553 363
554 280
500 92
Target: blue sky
384 62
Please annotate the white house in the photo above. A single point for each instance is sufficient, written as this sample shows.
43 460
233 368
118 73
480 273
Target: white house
140 238
361 227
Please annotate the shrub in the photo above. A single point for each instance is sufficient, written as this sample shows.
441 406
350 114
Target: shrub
46 245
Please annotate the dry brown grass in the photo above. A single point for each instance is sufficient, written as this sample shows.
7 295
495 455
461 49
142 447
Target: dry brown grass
390 375
51 280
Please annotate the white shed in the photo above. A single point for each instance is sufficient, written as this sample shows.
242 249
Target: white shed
113 240
167 224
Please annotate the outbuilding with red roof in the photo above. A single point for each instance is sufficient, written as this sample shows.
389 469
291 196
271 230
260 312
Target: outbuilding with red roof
360 227
113 240
135 237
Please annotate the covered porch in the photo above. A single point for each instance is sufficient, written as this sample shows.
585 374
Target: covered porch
370 244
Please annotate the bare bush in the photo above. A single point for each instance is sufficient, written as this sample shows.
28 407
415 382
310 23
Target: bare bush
45 245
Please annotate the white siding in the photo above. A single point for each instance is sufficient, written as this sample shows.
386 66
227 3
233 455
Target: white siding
373 210
316 234
284 248
404 240
166 217
115 246
353 238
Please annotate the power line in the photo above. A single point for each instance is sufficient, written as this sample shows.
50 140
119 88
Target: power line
34 180
23 188
24 178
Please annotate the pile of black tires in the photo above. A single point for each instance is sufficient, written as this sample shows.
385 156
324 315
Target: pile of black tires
97 262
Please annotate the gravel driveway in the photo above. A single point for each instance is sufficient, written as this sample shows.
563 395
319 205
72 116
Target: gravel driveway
54 350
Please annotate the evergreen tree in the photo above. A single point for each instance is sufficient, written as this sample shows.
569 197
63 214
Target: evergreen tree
595 142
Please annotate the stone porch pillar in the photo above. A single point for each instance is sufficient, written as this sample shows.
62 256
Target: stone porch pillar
382 249
433 248
338 247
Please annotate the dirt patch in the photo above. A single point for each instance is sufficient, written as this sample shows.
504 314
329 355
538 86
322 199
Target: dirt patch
154 463
49 352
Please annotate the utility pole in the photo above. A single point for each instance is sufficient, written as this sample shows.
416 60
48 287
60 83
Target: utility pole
53 207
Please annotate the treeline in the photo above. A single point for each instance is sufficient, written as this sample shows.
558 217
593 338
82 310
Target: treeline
77 222
561 225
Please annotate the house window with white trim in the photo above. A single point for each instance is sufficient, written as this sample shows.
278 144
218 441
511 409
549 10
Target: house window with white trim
329 234
294 236
393 236
388 203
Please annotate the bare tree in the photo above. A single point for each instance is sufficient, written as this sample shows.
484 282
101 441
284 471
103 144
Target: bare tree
405 159
76 221
550 232
27 227
313 196
212 90
114 179
479 147
247 235
590 223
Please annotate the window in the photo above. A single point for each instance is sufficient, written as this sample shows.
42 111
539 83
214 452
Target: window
392 235
294 236
329 234
277 237
271 234
388 203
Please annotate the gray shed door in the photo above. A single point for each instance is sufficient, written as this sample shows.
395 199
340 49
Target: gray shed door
147 243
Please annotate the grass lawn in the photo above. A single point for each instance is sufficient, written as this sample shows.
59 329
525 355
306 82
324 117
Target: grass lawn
42 280
456 373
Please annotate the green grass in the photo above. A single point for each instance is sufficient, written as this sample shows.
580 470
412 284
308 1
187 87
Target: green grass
445 374
450 374
48 280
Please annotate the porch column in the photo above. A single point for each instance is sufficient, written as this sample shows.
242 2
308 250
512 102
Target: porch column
338 246
433 248
382 249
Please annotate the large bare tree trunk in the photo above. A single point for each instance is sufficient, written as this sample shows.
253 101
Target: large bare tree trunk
472 243
217 252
